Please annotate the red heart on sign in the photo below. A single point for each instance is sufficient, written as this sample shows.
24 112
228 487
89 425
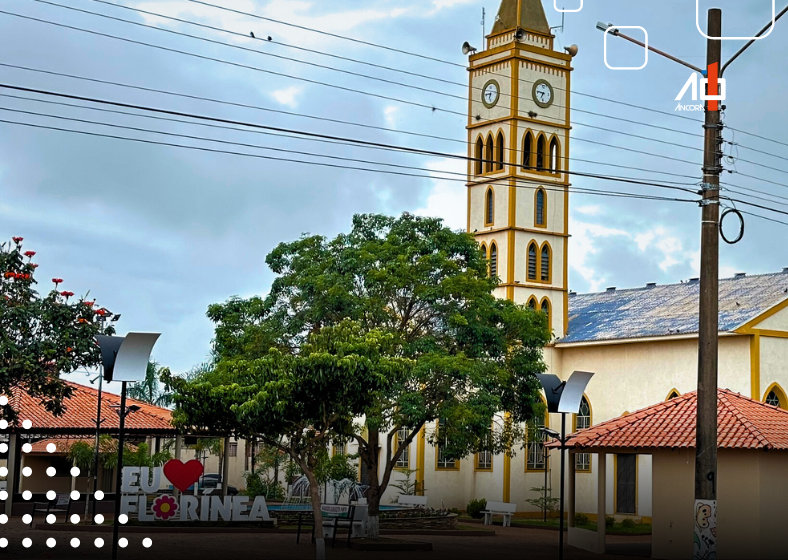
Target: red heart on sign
182 475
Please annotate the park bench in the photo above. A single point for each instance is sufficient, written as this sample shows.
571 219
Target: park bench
412 501
61 503
499 508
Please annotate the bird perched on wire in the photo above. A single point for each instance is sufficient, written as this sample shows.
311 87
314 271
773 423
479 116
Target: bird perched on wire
269 38
252 34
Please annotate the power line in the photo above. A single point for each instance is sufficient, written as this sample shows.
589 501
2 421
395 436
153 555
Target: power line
304 133
45 92
341 142
392 82
584 190
231 63
455 64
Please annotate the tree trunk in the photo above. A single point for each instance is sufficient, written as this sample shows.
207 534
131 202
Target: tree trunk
225 470
375 492
314 494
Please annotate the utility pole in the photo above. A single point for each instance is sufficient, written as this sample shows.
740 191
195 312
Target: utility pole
708 321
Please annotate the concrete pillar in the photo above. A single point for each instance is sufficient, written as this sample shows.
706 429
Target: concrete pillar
13 452
601 500
570 493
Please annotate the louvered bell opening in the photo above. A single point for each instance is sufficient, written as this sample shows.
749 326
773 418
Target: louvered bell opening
532 262
545 264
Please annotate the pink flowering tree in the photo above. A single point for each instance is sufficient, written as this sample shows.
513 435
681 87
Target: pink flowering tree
42 336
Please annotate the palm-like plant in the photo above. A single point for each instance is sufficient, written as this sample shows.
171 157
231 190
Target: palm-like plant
150 390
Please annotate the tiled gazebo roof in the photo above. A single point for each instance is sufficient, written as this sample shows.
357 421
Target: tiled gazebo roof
743 423
80 415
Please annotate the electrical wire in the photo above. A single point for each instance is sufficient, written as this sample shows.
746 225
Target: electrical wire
341 142
585 190
306 133
391 82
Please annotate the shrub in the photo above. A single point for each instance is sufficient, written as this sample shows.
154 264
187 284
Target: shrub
609 522
581 519
475 508
628 524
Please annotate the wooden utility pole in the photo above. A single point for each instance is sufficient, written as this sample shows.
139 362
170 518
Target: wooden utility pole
708 337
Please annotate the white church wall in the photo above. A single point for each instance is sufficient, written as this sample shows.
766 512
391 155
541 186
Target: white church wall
776 322
774 357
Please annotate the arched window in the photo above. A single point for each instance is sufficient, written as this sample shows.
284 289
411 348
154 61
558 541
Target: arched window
532 303
532 252
499 151
493 259
479 156
489 152
489 207
541 152
555 165
483 249
528 150
775 396
544 263
673 394
540 206
583 421
545 308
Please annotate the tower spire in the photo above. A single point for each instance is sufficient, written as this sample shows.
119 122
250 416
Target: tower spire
523 14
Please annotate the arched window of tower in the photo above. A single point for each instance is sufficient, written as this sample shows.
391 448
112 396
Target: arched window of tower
532 255
528 150
493 259
499 151
479 156
545 263
489 207
555 165
541 201
489 152
541 152
532 303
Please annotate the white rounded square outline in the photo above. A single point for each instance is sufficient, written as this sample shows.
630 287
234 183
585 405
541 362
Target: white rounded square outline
697 24
555 5
626 27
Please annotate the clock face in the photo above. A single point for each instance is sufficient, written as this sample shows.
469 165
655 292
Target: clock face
543 93
490 94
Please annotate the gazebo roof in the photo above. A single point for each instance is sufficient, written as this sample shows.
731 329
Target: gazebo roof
80 415
743 423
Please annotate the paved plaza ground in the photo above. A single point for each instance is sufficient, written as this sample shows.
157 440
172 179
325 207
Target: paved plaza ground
508 542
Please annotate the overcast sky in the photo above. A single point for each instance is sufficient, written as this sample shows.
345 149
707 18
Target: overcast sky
158 233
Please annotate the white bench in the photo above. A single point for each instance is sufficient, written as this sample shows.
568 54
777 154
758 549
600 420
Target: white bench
499 508
412 501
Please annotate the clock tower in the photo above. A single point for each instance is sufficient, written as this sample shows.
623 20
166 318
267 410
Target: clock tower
518 138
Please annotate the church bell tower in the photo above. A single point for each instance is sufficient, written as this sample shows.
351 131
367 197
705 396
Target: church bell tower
518 138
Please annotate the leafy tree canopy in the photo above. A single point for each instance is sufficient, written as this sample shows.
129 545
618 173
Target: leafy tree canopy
42 337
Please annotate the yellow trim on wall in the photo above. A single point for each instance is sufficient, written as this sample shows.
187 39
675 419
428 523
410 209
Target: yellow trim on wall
395 443
476 467
497 259
780 395
544 208
755 366
745 328
420 450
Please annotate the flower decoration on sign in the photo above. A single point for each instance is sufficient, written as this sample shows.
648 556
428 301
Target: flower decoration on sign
164 507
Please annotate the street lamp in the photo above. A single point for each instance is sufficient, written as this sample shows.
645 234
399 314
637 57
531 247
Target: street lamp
563 397
125 359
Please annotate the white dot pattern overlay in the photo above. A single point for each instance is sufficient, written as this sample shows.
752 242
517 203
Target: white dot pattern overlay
51 495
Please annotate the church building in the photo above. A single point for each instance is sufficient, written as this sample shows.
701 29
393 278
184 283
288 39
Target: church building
642 343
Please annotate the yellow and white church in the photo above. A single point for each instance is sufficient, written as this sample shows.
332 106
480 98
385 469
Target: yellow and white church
641 343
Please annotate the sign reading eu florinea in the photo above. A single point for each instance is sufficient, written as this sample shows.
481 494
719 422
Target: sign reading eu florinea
139 482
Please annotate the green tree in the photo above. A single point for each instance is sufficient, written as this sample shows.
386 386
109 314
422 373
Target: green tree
297 402
471 355
42 337
150 390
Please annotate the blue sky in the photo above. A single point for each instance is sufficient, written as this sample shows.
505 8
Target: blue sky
158 233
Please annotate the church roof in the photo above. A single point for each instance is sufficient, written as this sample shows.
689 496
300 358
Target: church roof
531 16
743 423
670 309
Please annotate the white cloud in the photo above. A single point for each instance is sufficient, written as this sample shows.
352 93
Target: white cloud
438 5
390 114
583 246
590 210
287 96
448 199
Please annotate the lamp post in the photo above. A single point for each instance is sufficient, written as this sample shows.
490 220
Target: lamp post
708 308
563 397
124 359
